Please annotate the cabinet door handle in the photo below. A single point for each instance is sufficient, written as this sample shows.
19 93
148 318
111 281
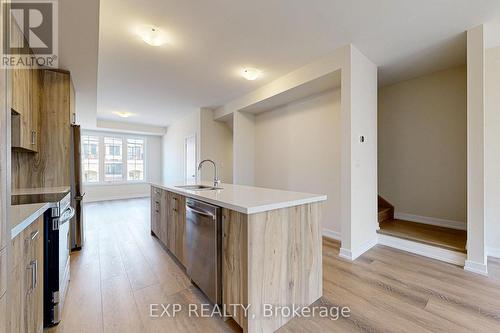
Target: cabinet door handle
33 137
34 274
34 235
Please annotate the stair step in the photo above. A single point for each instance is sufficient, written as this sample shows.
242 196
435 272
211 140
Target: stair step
446 238
385 213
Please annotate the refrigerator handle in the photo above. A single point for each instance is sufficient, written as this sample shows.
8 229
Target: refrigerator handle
79 197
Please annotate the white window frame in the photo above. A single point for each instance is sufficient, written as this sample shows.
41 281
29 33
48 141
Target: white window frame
102 154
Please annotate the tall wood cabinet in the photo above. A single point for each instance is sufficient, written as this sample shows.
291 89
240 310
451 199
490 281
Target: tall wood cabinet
4 153
25 104
168 220
49 167
26 288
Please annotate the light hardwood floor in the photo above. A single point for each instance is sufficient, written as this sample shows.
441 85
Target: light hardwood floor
123 269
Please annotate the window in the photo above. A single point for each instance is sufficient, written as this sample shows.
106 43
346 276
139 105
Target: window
135 159
90 158
110 158
113 159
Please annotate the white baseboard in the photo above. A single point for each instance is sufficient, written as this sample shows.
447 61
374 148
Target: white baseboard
355 253
493 252
452 257
431 220
328 233
476 267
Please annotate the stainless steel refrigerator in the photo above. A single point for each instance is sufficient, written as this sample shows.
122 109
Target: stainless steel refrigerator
77 234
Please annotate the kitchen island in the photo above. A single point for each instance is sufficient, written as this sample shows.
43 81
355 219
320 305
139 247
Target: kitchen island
271 249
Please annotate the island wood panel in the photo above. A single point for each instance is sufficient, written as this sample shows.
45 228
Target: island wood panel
50 166
234 265
283 262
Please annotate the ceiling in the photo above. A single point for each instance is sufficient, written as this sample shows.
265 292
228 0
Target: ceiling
212 40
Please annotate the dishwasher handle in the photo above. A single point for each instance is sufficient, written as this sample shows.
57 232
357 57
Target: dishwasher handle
200 212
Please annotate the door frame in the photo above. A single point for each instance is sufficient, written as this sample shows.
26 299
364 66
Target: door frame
184 160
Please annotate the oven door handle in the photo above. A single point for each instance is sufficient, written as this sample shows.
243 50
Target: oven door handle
67 215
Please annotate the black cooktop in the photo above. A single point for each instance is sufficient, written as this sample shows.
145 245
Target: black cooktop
24 199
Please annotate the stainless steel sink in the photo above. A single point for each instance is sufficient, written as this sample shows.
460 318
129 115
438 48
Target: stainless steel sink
199 187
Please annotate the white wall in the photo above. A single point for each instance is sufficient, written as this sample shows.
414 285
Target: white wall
216 142
133 190
492 151
476 245
358 159
243 148
173 146
422 132
297 148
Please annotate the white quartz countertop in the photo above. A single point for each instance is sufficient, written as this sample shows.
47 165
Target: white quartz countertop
246 199
21 216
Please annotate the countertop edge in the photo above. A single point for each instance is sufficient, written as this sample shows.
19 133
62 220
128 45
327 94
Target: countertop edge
244 210
15 231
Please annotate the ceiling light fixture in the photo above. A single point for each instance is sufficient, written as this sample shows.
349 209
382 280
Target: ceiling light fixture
123 114
153 36
251 73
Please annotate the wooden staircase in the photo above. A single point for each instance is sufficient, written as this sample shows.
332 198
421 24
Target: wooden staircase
450 240
385 210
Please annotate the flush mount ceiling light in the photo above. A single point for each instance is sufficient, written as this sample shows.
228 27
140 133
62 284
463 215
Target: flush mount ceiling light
123 114
251 73
153 36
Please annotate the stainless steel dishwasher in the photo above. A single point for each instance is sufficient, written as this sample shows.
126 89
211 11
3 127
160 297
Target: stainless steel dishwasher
204 247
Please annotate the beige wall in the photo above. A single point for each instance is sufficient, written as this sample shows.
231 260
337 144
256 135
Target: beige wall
492 151
173 146
422 160
243 148
297 147
216 142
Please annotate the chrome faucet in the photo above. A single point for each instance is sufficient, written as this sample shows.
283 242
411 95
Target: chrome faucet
216 178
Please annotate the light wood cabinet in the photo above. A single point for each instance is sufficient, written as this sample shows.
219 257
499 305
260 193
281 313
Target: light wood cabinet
3 271
168 220
3 314
25 105
176 225
155 211
20 79
26 288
